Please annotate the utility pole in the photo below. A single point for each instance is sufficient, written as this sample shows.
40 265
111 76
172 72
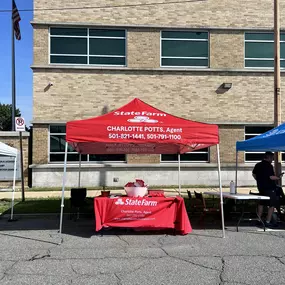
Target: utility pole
277 85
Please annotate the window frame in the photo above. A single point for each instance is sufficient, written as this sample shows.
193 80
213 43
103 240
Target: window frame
87 161
185 39
255 134
262 41
88 37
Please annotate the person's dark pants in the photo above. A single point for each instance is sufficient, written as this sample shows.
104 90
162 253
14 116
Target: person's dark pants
274 198
280 193
277 198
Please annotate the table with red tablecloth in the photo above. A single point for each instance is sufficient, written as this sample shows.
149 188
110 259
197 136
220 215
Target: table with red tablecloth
142 213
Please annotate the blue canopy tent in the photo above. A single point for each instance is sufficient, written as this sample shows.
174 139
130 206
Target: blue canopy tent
273 140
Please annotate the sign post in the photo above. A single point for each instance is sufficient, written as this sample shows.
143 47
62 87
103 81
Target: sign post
21 127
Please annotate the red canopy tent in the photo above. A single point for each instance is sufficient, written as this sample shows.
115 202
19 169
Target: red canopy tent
138 128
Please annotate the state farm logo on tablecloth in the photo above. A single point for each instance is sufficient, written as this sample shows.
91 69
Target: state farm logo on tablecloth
119 202
142 119
136 202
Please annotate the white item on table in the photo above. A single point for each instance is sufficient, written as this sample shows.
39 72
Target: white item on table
136 191
232 188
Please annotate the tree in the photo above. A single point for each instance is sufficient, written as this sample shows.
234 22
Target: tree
6 117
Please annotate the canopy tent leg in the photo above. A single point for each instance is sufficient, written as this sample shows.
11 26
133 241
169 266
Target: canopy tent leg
179 184
221 192
13 190
79 172
63 188
236 170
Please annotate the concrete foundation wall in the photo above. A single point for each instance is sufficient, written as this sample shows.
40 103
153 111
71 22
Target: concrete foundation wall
51 175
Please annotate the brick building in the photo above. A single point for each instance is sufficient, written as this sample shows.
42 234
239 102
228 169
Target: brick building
174 55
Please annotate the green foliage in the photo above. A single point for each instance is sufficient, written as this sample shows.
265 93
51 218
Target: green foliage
6 116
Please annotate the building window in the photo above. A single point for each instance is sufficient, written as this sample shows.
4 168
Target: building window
259 50
201 155
251 132
87 46
57 149
184 49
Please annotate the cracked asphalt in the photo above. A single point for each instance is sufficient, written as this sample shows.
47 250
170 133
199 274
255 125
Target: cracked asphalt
30 253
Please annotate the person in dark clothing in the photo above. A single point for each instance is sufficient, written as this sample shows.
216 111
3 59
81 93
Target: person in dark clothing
265 177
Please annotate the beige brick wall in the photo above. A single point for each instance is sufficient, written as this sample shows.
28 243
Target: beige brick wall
41 44
215 13
14 141
143 158
229 135
191 95
226 49
143 48
40 144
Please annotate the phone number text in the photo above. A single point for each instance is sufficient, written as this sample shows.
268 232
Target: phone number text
144 136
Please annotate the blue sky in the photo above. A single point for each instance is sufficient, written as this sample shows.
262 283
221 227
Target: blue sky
24 57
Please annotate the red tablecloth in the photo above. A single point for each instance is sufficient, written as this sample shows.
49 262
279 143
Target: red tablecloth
146 212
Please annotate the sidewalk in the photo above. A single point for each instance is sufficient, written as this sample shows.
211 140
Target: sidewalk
93 193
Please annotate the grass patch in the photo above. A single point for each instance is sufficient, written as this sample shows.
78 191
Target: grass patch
41 206
5 204
45 189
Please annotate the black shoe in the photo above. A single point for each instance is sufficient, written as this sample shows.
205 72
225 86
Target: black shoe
270 225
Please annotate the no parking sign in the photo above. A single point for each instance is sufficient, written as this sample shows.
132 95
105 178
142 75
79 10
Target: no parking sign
20 124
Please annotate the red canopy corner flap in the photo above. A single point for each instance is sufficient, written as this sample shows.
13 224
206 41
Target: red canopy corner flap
139 128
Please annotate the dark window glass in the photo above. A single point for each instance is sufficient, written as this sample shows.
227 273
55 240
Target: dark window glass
247 137
259 63
282 50
184 35
68 31
253 156
57 129
57 144
57 149
107 60
259 36
251 132
106 33
106 47
107 157
68 45
259 50
195 156
257 129
184 49
59 157
184 62
68 59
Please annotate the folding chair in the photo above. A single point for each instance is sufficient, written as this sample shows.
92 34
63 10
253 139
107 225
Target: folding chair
201 203
191 207
77 199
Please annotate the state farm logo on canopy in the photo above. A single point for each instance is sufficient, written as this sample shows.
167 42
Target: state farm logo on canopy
136 202
140 117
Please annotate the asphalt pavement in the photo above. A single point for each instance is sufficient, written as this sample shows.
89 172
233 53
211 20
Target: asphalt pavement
31 252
